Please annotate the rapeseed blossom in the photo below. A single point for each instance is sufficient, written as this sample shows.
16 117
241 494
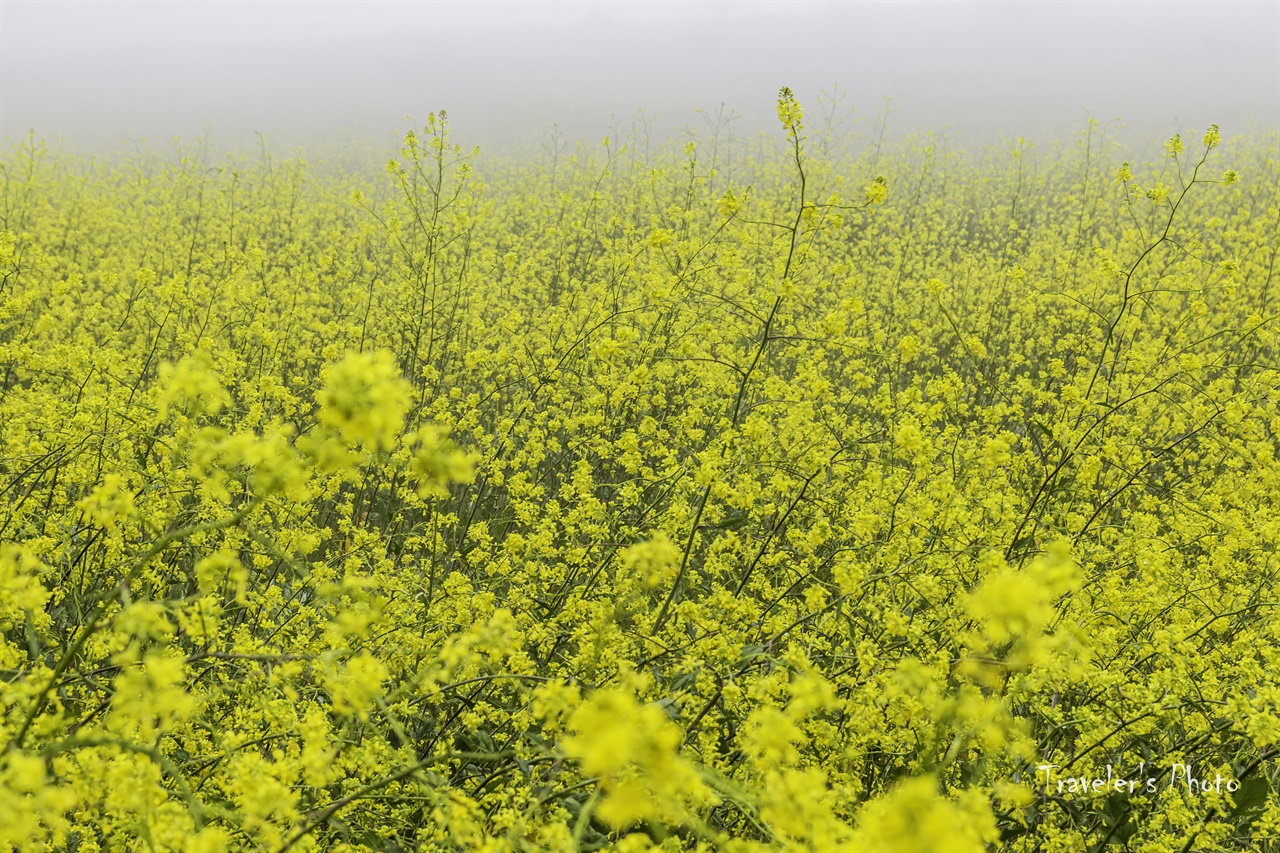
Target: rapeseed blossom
633 748
365 400
915 817
192 386
707 497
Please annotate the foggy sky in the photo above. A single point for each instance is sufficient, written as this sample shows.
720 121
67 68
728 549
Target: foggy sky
94 73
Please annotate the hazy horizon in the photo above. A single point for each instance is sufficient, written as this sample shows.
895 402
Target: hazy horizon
96 74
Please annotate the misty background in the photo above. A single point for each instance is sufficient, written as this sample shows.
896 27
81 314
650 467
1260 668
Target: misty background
95 74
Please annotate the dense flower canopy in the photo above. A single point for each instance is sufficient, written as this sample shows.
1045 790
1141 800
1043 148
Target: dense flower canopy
747 496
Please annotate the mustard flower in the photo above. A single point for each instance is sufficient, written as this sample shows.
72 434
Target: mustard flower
192 386
109 503
877 191
914 816
354 684
365 399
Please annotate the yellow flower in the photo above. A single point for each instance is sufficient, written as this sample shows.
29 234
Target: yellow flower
354 685
653 561
660 237
109 503
770 737
192 386
20 588
915 818
878 190
151 696
437 462
554 700
365 399
789 112
221 571
29 802
633 748
729 204
908 439
1017 606
996 453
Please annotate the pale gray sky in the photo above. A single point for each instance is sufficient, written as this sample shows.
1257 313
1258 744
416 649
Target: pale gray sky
96 72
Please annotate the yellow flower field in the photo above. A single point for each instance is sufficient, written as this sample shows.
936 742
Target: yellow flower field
772 496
